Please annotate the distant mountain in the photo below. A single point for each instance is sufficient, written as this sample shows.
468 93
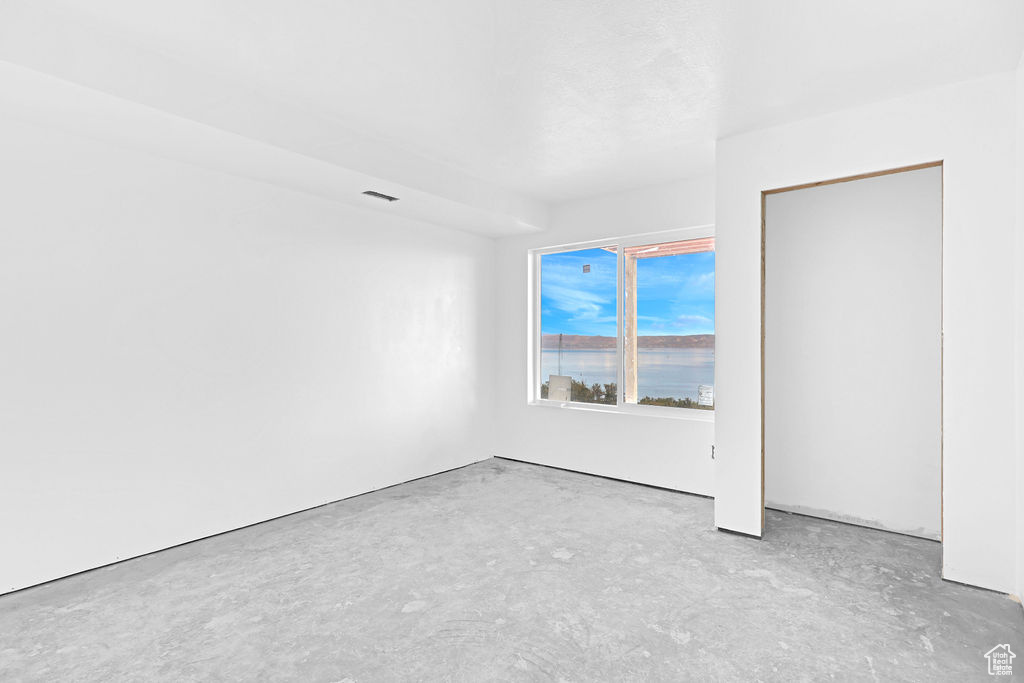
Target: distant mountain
690 341
580 342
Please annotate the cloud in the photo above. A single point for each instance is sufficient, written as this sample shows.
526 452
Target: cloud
676 293
570 263
679 278
693 320
571 296
599 319
576 301
703 282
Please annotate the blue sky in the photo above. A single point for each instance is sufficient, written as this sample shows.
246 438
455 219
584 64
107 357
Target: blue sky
676 294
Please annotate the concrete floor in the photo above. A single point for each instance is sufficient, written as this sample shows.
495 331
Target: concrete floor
506 571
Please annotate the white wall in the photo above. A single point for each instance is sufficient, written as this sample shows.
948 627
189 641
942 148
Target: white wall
1019 307
663 451
971 127
183 352
853 311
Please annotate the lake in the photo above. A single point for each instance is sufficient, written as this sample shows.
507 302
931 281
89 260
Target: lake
663 373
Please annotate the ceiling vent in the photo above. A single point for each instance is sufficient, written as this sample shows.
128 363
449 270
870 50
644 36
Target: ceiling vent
380 195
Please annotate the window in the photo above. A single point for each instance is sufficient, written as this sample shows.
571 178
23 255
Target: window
579 325
637 316
669 324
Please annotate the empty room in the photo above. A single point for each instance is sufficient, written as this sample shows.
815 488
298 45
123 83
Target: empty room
531 341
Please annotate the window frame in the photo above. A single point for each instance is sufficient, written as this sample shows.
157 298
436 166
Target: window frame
535 380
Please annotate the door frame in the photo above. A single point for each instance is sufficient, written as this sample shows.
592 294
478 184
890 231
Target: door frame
846 179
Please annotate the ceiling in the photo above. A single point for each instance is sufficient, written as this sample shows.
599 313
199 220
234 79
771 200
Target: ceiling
551 100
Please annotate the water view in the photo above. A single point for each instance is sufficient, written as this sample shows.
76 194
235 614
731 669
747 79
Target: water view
663 373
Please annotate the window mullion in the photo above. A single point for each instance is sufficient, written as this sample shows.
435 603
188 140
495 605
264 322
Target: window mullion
629 328
619 400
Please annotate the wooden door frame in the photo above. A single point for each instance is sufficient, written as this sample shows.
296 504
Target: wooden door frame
846 179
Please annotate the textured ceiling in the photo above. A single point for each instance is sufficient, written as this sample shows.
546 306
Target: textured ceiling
567 98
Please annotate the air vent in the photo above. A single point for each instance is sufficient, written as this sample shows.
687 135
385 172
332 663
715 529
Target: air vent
380 195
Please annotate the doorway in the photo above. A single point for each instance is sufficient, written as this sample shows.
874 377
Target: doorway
851 350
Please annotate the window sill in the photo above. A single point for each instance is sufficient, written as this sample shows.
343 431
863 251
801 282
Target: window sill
630 409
